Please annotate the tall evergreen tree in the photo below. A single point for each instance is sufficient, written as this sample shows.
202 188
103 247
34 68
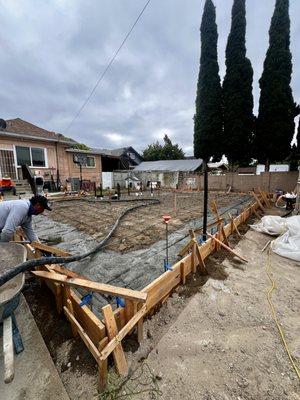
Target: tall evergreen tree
237 91
208 117
277 110
298 139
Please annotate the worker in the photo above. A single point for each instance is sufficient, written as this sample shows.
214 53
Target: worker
15 213
7 185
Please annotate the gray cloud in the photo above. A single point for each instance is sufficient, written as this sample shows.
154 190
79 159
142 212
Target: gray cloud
53 52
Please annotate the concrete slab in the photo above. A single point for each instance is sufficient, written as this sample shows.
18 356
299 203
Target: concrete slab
36 377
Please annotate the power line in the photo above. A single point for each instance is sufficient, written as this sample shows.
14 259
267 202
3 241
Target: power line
108 66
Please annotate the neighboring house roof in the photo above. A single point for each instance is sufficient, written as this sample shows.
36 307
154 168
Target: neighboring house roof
132 178
19 127
119 152
169 165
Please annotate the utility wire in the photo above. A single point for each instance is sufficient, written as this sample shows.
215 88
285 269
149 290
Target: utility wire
108 66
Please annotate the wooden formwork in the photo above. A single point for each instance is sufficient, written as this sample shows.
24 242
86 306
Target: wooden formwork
103 337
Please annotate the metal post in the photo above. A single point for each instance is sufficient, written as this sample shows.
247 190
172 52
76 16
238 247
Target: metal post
167 244
80 168
205 199
101 194
166 219
297 207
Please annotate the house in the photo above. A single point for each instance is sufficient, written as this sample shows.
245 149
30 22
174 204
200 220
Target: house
167 173
124 158
133 182
46 153
127 158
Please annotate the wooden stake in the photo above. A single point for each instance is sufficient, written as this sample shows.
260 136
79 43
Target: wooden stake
102 366
265 198
70 308
112 331
200 258
84 336
118 337
233 225
224 235
194 266
140 327
258 201
227 247
182 272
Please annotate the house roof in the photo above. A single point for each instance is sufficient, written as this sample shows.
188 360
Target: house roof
132 178
169 165
118 152
20 127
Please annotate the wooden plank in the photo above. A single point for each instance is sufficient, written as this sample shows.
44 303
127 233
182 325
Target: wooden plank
117 349
234 225
227 248
140 335
94 286
84 336
70 308
65 271
102 366
8 350
182 273
129 309
117 338
200 259
50 249
87 319
193 258
258 201
265 198
224 235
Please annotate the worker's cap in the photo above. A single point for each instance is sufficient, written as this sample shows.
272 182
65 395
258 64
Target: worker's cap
42 200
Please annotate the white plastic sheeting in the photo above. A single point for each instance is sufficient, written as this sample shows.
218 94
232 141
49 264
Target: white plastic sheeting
288 243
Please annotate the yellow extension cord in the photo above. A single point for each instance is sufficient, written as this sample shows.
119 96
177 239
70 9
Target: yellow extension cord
269 291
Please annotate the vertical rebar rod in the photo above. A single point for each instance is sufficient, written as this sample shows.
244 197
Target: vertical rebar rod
167 244
205 199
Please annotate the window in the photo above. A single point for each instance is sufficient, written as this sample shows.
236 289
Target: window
38 157
32 156
90 162
23 155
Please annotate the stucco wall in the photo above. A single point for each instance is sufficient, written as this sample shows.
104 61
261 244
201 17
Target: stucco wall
67 168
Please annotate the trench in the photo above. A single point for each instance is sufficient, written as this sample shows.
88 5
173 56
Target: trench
134 269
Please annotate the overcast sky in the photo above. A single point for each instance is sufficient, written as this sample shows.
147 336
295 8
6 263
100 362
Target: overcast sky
52 53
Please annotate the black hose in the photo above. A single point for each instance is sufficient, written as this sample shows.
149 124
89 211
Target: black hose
6 276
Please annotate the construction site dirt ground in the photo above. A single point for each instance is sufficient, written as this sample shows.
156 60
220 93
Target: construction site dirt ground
213 339
142 227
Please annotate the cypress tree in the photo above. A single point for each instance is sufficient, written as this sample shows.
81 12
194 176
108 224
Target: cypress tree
237 91
277 110
298 140
208 116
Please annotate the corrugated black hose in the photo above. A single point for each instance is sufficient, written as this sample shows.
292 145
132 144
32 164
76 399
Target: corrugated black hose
7 275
